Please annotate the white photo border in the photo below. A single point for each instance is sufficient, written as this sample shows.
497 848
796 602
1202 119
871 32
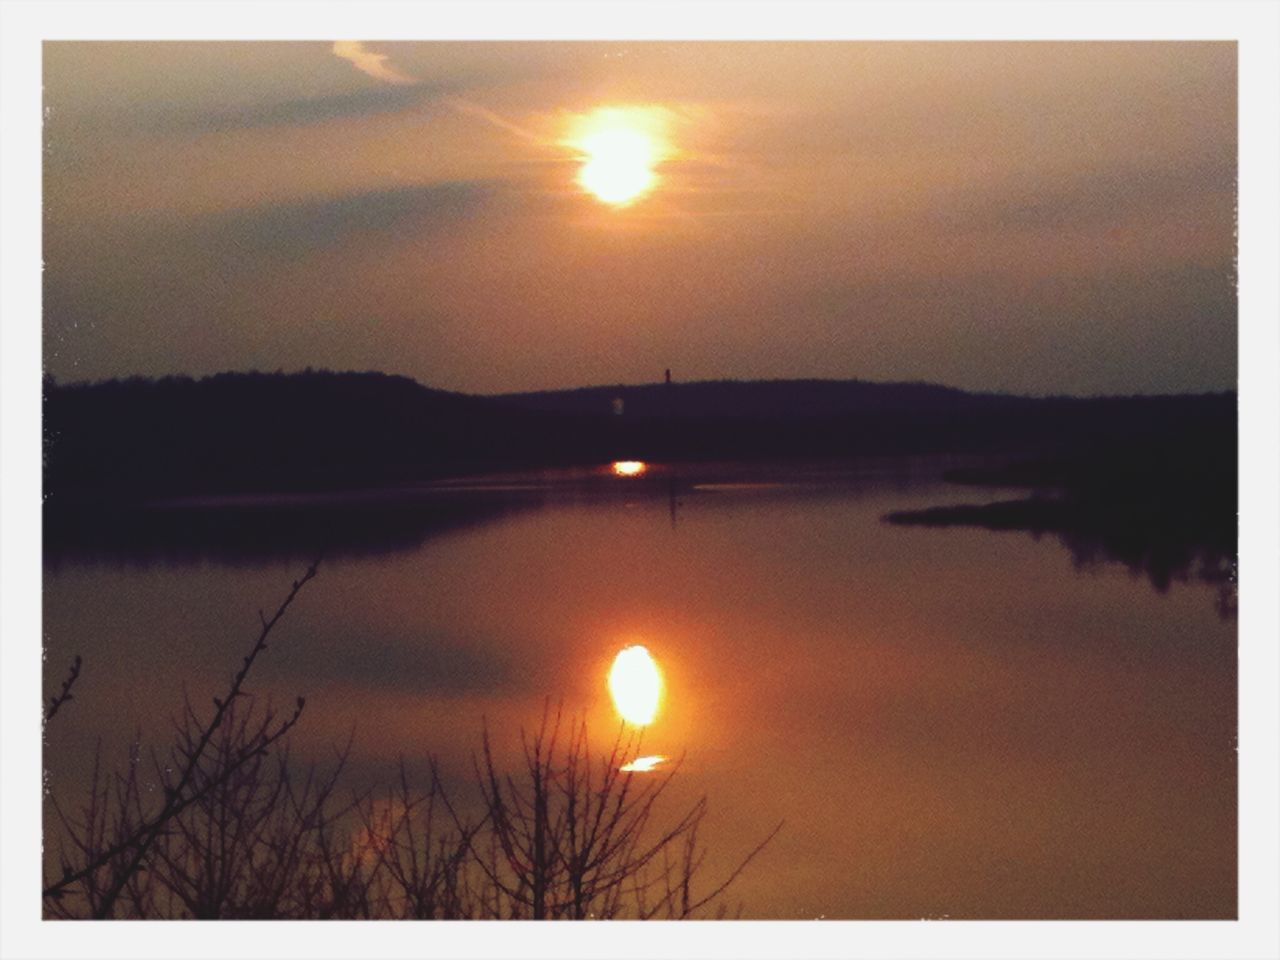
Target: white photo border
1255 27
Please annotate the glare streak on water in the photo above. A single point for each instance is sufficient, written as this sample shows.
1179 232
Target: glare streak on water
643 764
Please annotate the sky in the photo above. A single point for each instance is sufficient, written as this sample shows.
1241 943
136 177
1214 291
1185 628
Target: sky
1037 218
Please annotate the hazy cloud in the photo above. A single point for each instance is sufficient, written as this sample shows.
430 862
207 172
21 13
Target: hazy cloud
1112 196
294 230
298 112
374 64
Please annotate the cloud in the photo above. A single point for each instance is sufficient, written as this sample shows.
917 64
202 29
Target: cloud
283 231
292 113
1112 196
294 230
487 115
374 64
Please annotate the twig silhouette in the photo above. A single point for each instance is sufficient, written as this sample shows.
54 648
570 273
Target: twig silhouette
177 797
64 695
566 833
572 837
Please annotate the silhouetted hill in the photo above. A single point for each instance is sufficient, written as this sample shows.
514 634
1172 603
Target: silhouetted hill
267 432
790 418
765 399
140 439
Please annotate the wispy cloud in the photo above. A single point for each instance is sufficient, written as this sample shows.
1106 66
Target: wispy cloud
374 64
487 115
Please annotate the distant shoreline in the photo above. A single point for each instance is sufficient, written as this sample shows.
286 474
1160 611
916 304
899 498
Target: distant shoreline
139 440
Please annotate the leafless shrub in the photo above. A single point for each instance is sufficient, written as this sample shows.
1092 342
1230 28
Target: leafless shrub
573 835
223 826
421 854
119 850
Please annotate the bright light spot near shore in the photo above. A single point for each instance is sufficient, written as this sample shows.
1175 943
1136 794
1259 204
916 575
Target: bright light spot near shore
643 764
635 685
629 468
619 147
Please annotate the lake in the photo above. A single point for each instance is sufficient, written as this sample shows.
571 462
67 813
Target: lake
949 722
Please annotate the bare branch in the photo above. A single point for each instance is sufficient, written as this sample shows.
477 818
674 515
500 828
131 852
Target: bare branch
64 695
177 798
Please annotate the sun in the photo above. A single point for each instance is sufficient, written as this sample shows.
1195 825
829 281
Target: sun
619 148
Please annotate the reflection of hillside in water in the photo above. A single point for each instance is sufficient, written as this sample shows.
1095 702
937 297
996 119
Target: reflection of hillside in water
1161 559
1160 534
1161 539
251 532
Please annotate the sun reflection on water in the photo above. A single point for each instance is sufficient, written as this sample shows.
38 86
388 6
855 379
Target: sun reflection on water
629 468
635 683
643 764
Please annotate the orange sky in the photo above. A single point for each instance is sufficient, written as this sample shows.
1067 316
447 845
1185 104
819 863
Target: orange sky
1031 217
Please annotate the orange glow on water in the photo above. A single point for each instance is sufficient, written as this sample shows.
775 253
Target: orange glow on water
629 468
635 683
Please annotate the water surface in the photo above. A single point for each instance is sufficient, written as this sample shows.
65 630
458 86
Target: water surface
951 722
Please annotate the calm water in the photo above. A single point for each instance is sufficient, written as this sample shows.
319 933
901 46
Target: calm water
951 722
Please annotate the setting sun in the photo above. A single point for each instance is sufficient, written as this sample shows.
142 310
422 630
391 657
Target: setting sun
619 147
635 685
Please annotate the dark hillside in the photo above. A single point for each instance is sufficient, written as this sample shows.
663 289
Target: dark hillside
266 432
756 399
137 439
